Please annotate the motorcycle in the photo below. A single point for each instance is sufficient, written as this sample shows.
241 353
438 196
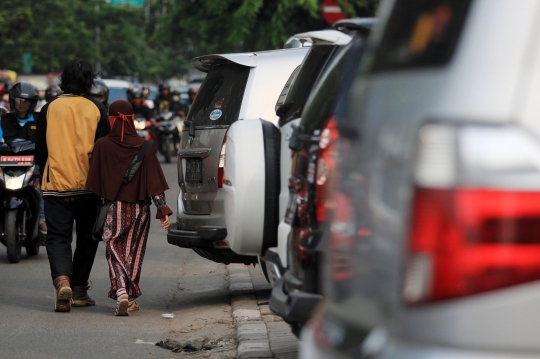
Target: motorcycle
144 130
170 127
19 190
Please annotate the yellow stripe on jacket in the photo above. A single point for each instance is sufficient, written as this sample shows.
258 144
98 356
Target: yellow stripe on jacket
71 129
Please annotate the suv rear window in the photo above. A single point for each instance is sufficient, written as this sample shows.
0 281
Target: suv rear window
220 97
423 33
308 75
323 101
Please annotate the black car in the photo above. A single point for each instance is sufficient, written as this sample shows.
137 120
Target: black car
298 291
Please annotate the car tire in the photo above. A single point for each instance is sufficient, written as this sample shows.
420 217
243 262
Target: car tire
13 243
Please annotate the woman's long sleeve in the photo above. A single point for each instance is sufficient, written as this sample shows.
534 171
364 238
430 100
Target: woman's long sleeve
161 204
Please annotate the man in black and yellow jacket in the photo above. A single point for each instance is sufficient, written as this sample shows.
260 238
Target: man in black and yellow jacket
67 129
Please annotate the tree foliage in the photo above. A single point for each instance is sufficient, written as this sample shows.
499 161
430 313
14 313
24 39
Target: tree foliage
156 41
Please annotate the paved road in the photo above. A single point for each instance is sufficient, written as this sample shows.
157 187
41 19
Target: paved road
173 280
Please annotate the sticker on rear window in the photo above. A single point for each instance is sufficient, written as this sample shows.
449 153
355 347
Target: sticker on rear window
214 115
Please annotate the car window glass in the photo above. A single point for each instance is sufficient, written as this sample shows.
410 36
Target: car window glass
286 88
220 96
117 94
308 75
421 34
323 100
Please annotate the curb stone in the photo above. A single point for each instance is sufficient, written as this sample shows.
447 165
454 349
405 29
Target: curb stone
252 335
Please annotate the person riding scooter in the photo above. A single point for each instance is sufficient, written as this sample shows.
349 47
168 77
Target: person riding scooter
21 123
100 91
52 92
136 98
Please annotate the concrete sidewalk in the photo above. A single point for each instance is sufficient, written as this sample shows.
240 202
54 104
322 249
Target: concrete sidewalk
260 333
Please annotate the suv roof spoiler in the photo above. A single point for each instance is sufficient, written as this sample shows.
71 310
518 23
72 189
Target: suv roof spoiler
356 24
205 63
324 37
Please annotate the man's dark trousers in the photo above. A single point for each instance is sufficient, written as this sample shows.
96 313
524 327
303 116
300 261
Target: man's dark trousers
60 213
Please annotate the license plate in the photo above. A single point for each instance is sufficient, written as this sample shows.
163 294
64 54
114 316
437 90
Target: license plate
142 133
194 170
16 160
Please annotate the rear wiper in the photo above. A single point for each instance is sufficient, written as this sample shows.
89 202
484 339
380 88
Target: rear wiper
191 128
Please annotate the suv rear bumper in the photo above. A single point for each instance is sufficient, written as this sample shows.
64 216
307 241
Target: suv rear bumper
293 306
204 237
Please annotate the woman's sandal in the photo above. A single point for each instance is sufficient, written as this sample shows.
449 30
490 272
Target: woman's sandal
133 306
122 306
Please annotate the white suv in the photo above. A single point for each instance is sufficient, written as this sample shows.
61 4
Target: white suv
242 86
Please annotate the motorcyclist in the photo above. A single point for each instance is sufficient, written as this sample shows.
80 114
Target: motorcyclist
136 98
164 102
52 92
100 91
21 123
192 93
146 94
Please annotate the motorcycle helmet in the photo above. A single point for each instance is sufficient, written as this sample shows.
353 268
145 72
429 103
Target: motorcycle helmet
145 91
134 92
24 90
193 90
52 92
100 91
164 86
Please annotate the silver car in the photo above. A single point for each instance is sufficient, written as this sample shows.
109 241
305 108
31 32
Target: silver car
237 86
435 243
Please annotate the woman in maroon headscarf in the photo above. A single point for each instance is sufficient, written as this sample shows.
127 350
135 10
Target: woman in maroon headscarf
125 232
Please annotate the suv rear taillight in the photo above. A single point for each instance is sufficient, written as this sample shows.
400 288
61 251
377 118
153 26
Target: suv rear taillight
325 164
475 223
221 164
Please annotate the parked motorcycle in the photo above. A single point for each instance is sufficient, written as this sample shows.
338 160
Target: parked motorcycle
144 130
19 190
170 127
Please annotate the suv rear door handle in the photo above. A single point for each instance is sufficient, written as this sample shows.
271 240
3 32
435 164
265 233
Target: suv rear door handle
194 153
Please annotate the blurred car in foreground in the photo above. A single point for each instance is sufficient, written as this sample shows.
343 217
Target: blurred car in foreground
242 86
307 155
435 237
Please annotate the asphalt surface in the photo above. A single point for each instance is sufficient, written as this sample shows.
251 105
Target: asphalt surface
29 327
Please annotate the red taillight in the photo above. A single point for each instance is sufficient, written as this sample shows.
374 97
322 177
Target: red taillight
325 164
221 165
467 241
475 222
